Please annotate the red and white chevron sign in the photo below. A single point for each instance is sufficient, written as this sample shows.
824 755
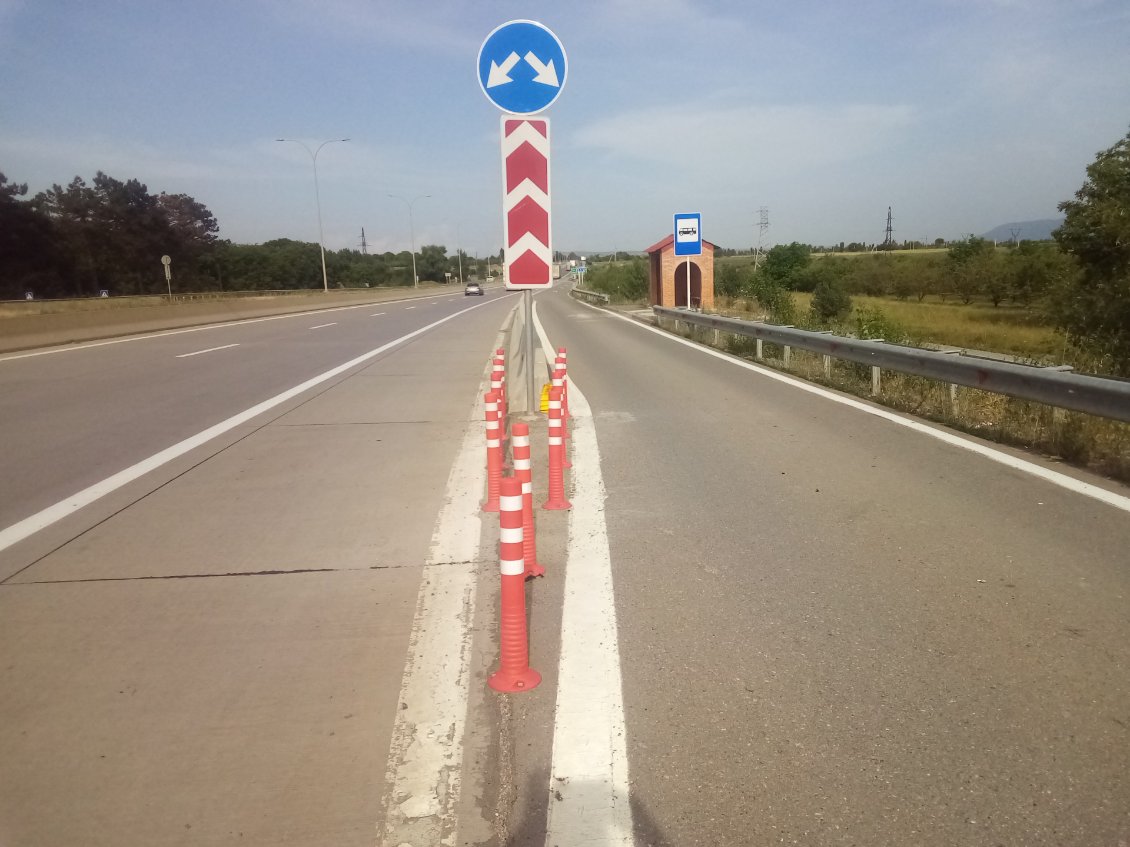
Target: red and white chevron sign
525 202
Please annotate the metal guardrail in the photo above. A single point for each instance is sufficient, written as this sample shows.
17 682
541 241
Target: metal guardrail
1107 397
590 295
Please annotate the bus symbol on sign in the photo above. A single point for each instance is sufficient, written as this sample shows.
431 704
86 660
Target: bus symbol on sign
688 237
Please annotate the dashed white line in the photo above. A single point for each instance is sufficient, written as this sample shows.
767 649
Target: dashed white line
41 520
408 308
588 781
323 326
377 315
209 350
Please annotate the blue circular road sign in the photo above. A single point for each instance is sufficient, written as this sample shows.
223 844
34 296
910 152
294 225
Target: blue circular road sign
522 67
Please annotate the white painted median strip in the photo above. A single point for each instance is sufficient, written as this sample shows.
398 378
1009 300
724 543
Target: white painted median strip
209 350
426 754
41 520
1111 498
588 782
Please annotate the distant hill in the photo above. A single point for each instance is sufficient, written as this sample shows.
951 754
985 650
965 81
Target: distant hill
1026 230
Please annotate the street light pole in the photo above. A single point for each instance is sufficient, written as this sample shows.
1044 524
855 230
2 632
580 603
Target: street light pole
411 231
318 200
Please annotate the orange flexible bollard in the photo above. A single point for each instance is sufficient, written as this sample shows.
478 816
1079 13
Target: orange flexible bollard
556 450
514 672
520 439
494 452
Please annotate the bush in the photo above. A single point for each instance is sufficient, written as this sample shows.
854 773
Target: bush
830 301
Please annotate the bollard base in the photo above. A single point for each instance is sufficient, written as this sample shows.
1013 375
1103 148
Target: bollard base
491 506
534 570
556 505
510 683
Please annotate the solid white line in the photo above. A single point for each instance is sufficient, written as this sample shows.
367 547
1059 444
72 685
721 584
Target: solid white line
41 520
1119 501
323 326
426 755
588 782
209 350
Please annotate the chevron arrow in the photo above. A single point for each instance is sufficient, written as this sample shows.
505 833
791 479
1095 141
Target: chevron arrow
500 74
546 74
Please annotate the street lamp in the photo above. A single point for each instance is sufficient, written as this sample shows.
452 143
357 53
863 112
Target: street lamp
318 200
411 231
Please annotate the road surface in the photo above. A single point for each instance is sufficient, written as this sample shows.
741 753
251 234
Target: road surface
771 616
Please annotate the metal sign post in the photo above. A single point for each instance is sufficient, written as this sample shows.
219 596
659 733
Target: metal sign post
522 69
167 261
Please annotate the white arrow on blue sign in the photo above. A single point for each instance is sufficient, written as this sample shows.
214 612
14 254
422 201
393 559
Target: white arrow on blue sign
522 67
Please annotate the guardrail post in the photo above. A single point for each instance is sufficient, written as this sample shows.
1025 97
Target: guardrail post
759 353
876 381
788 354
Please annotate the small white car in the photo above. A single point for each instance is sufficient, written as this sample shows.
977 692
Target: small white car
473 288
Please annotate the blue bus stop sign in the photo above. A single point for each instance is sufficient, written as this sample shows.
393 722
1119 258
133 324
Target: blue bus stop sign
522 67
688 234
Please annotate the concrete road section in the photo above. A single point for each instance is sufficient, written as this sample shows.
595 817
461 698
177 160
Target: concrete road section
213 652
836 630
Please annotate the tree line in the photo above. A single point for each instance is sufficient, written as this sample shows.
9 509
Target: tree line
108 235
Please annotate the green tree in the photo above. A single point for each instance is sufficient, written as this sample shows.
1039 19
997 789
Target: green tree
1093 307
975 270
29 259
431 263
784 261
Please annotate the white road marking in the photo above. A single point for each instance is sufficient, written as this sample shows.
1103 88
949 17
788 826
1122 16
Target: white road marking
73 347
409 308
209 350
588 782
166 333
1119 501
323 326
41 520
377 315
426 754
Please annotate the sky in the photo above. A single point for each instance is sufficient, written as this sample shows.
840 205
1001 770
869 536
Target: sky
958 114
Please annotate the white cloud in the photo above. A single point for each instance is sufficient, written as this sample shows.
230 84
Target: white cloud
767 140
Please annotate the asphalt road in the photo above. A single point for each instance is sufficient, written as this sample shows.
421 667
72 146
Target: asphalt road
830 629
212 652
835 630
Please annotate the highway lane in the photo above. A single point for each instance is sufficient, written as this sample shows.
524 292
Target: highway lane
834 630
213 654
72 418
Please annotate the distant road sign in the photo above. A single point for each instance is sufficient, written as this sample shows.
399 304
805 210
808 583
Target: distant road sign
522 67
688 234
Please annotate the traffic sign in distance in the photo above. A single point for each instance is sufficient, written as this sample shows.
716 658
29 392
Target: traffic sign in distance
526 219
688 234
522 67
